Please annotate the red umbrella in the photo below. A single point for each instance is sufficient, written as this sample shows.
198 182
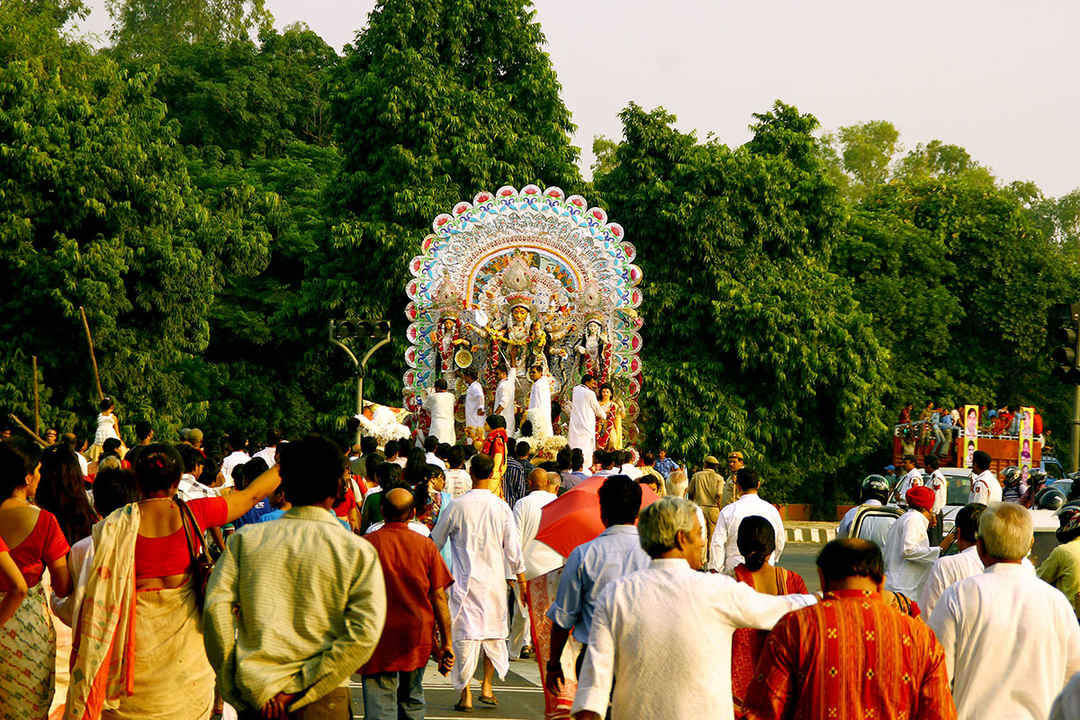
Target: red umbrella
574 518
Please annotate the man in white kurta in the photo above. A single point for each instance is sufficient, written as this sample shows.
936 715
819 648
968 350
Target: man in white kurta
665 631
440 405
951 569
539 558
474 407
539 411
586 409
908 555
504 398
1011 640
724 555
485 545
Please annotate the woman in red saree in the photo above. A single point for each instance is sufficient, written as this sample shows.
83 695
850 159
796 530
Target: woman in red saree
495 447
756 542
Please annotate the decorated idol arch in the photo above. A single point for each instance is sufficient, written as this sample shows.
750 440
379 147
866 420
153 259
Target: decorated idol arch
525 278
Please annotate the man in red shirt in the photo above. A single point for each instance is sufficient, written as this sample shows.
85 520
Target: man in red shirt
416 581
850 655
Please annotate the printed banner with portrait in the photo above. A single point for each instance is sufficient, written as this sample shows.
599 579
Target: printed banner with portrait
1027 438
971 434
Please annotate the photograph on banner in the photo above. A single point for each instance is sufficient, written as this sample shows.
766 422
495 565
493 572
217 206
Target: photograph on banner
1027 436
971 433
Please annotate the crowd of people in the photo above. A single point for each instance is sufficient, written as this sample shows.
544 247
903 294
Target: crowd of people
263 580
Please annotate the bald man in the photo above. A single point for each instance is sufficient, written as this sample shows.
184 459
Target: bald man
527 512
416 582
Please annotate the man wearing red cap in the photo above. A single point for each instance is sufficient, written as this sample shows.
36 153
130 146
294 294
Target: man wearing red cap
908 555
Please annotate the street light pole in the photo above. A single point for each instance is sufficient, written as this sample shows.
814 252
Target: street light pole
360 366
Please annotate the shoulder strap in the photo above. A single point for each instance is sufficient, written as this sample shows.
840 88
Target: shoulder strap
185 516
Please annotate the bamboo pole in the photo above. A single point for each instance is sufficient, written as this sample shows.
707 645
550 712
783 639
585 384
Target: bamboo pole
37 401
93 359
29 432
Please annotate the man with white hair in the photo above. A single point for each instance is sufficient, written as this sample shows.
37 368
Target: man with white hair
665 670
1003 619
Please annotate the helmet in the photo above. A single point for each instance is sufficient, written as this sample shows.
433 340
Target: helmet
1010 475
1049 499
875 487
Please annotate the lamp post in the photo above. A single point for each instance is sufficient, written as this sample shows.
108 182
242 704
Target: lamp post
378 330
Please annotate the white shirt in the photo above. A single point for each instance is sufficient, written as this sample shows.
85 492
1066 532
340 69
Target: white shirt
540 406
416 527
671 665
474 401
504 398
844 527
985 488
458 482
724 553
267 454
485 546
440 406
237 457
946 572
582 431
191 489
910 480
1011 643
908 555
631 471
940 486
433 459
539 558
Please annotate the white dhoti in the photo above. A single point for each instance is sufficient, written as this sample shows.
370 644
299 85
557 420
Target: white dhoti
467 657
540 407
583 415
520 635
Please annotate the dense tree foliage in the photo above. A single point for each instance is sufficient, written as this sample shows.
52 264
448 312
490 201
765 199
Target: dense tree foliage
764 348
435 101
214 191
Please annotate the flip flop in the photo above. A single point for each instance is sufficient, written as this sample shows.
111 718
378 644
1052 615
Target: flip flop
463 708
489 700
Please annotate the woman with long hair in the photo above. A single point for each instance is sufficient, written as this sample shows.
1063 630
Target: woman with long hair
62 492
138 635
35 542
756 541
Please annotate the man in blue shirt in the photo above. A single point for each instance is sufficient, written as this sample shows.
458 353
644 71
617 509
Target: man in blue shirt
664 465
944 433
592 566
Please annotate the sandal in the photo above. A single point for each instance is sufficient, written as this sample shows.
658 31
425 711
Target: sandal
462 708
489 700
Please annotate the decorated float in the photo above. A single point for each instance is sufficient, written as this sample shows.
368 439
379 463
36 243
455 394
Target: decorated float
525 279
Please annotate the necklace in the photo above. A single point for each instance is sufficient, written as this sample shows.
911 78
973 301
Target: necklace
157 498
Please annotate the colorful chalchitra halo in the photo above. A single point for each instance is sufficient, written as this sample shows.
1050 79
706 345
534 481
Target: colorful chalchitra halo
525 278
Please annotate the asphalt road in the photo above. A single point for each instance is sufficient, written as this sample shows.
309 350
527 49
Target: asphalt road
520 696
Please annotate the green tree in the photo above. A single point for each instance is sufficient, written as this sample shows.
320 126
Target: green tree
435 100
97 209
148 28
764 348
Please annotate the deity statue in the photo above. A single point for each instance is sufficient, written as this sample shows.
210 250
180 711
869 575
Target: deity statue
594 351
520 339
449 332
559 325
449 338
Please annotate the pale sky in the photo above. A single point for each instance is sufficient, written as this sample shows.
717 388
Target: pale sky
994 76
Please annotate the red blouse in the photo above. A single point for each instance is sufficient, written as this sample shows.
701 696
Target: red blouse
168 555
44 544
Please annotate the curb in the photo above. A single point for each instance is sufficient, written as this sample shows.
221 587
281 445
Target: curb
814 535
